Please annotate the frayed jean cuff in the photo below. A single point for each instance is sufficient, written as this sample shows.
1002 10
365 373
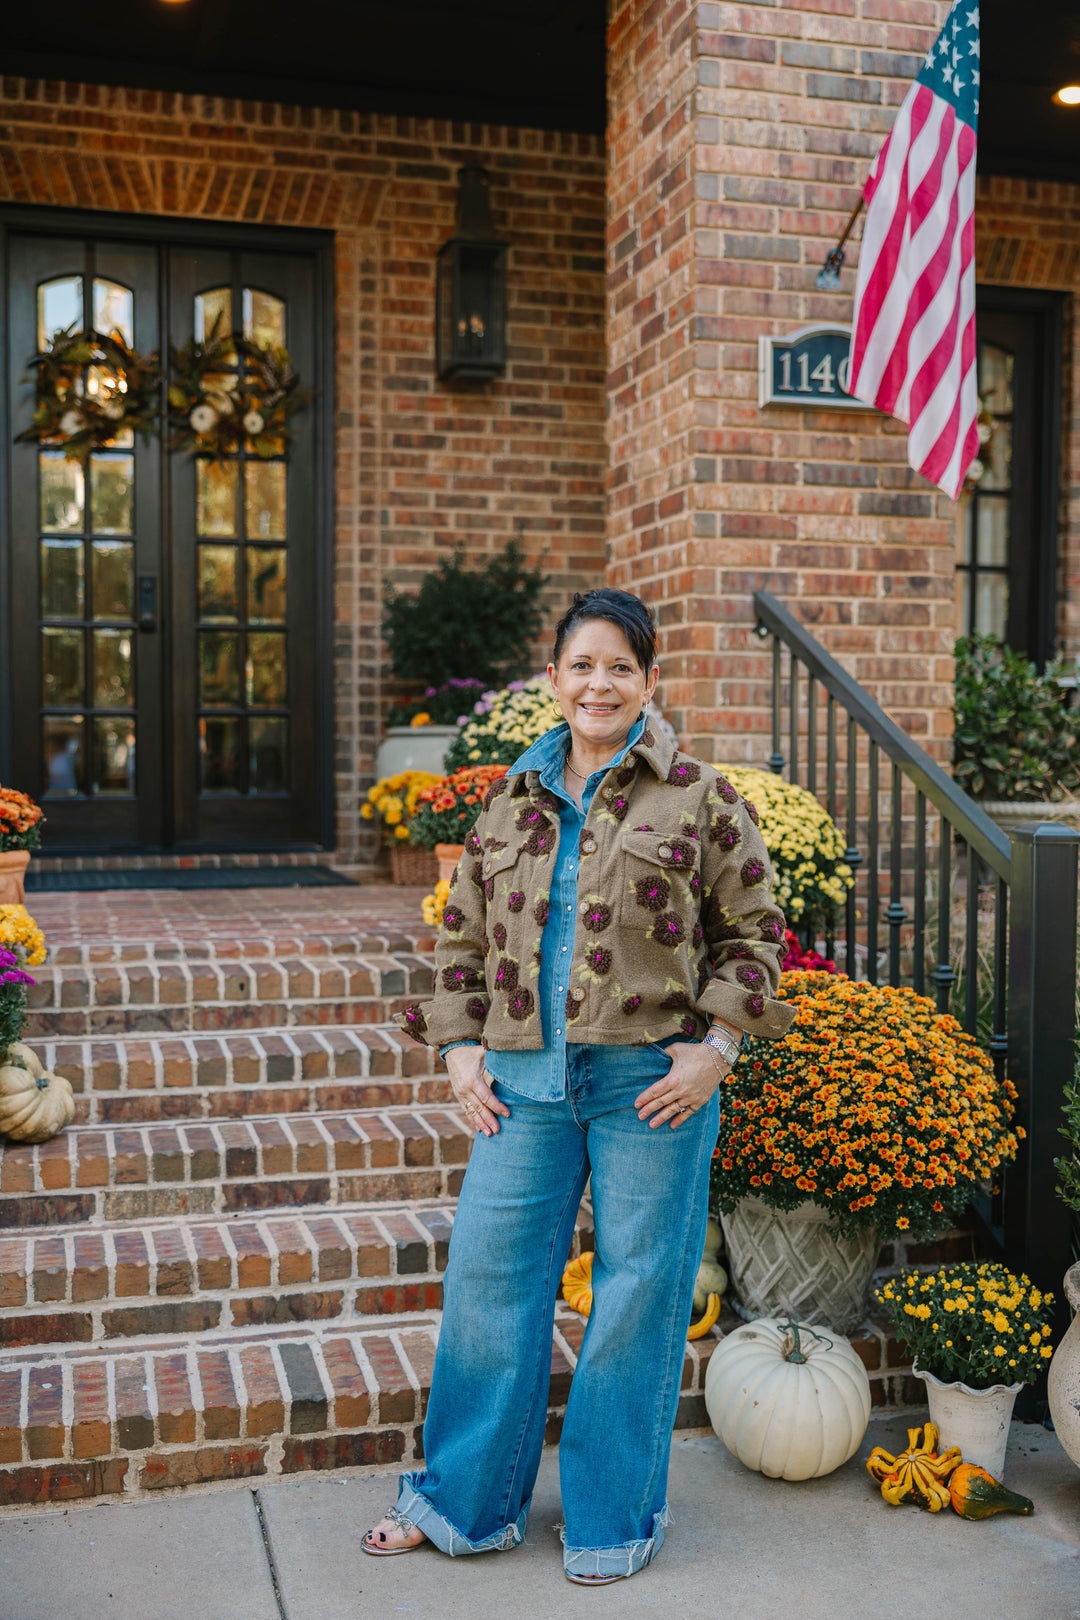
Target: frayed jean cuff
442 1533
622 1560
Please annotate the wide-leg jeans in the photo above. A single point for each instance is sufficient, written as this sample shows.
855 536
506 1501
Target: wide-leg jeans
484 1429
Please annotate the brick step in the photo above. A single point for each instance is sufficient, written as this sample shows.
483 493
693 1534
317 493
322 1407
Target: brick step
115 997
96 1421
219 1167
123 1282
141 1078
213 938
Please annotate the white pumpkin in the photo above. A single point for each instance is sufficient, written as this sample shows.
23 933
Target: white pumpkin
788 1400
711 1277
34 1104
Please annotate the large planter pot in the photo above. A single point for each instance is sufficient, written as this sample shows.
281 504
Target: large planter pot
413 748
1063 1384
13 864
787 1263
448 856
976 1420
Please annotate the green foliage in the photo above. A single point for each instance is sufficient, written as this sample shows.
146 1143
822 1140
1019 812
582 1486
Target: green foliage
443 705
12 1014
1014 738
466 622
1068 1166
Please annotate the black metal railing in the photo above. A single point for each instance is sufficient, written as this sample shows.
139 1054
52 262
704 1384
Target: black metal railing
982 920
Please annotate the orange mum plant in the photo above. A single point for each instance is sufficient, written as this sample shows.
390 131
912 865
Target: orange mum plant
20 821
875 1106
448 809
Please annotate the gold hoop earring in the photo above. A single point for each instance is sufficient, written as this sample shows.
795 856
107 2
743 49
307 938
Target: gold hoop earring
557 707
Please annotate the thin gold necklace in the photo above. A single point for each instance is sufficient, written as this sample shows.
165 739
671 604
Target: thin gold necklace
567 766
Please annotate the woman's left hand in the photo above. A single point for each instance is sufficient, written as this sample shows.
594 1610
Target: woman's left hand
687 1086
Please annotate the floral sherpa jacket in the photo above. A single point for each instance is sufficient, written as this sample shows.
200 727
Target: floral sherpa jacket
675 922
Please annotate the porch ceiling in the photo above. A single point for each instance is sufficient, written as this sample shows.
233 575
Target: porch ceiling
535 63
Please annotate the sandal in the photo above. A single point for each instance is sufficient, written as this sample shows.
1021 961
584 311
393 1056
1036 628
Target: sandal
593 1580
402 1523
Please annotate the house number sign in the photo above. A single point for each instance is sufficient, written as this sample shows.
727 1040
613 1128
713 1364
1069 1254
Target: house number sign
807 367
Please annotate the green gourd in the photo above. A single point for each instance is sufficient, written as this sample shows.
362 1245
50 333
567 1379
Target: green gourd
975 1494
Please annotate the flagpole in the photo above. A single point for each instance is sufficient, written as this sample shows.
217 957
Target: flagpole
828 277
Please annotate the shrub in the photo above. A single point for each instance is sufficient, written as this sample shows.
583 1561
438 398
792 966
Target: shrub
446 705
979 1324
504 724
805 845
1013 736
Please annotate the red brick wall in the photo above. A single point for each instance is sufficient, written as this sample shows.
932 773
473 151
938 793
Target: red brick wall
419 465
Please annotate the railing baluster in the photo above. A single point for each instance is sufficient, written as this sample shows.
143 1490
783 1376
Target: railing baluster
830 756
971 945
896 916
776 758
811 733
944 976
851 854
872 869
999 1031
793 697
918 962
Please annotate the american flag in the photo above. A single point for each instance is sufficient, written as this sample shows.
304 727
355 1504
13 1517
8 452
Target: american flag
913 332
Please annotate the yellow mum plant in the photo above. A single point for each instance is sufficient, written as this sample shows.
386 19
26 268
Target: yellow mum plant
433 905
804 843
22 945
977 1323
19 930
504 724
393 799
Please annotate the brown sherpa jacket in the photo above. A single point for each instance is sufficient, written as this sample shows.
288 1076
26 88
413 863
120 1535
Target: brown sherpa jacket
675 914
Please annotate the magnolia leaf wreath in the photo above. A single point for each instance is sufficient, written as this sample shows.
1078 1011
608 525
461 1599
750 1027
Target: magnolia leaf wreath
217 409
88 388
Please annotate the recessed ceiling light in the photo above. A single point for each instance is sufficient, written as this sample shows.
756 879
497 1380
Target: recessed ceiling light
1068 95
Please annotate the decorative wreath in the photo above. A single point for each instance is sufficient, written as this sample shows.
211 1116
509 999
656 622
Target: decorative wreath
216 408
68 415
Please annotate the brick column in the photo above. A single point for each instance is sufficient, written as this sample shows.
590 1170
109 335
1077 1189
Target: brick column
739 139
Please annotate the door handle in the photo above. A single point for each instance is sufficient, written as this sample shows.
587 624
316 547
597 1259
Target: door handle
147 601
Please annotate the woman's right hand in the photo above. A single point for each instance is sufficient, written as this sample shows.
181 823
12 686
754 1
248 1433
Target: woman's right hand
468 1080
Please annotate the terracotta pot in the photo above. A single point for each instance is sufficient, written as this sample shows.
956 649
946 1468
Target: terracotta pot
413 866
789 1263
448 856
13 864
976 1420
1063 1384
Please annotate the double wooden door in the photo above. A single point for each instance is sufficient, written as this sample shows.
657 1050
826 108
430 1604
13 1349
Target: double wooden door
165 643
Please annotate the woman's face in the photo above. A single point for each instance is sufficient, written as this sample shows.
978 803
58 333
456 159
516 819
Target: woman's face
600 684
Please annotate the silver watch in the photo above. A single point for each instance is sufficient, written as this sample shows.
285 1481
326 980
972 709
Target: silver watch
724 1043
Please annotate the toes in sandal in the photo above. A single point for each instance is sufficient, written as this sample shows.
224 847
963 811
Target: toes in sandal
401 1522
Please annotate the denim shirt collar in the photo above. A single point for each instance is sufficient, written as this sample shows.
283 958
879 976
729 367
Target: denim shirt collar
547 755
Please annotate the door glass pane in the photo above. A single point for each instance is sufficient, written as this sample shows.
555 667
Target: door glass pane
62 594
219 748
219 595
112 494
268 743
112 579
219 667
996 378
264 317
59 305
264 500
993 530
266 669
113 756
213 314
114 310
62 747
997 455
114 681
61 667
61 493
266 585
215 498
991 604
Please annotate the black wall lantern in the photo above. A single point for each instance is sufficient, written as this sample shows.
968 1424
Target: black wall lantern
470 289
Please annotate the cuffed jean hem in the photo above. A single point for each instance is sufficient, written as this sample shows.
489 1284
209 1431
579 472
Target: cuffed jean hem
442 1533
626 1559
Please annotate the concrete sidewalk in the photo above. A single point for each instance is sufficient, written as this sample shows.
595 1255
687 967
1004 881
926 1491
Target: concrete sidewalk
740 1545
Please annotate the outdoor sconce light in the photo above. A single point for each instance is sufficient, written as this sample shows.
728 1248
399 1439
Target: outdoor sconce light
470 290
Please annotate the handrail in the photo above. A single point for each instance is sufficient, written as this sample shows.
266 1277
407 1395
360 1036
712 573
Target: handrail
973 824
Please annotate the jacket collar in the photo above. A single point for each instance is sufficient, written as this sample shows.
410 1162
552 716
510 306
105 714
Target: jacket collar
653 746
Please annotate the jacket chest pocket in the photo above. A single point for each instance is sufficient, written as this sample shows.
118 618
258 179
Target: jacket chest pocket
497 868
661 883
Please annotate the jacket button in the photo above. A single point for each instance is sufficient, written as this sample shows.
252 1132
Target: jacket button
664 852
583 908
607 793
589 847
578 993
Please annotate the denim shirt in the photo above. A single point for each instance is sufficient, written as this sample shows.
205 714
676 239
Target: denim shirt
542 1075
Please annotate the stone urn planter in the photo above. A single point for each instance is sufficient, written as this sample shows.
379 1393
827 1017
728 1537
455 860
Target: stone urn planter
13 864
1063 1384
787 1263
976 1420
413 748
448 856
1005 813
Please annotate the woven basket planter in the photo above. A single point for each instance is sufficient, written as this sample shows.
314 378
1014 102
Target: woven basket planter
415 866
787 1263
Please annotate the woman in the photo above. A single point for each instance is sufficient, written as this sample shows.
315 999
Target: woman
609 936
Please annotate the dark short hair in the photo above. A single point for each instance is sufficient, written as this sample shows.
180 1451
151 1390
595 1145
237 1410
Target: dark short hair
628 612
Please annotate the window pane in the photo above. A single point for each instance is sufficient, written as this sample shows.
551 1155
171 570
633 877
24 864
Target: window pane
996 377
266 669
993 530
215 498
213 309
112 579
265 585
264 500
61 493
997 456
114 677
219 748
268 742
113 756
264 317
114 310
219 667
991 604
219 595
62 579
112 494
59 305
63 751
61 667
